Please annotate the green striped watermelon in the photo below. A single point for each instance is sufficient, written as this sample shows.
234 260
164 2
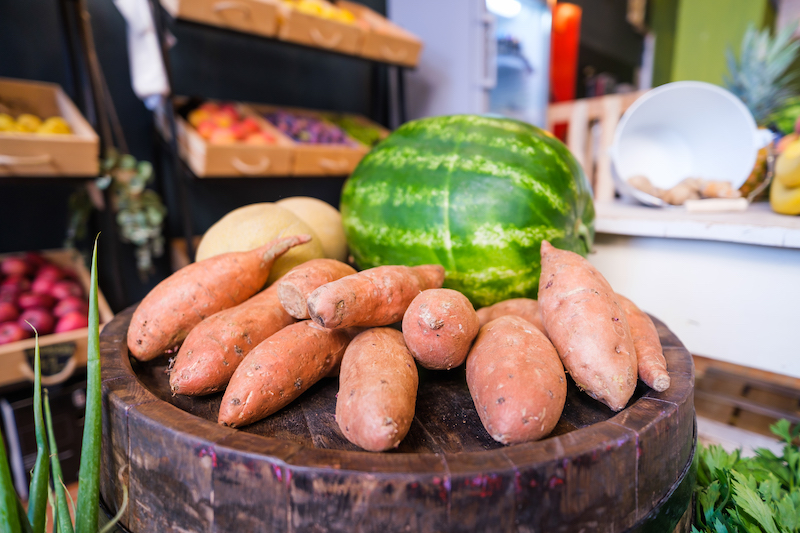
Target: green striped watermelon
475 194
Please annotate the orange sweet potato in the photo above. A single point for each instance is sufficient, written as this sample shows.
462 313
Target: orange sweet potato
377 390
587 326
214 348
516 380
297 285
526 308
375 297
169 312
439 327
649 354
279 370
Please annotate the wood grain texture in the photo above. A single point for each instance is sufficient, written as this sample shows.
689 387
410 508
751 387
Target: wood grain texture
295 471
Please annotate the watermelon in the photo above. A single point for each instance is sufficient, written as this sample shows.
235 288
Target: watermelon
475 194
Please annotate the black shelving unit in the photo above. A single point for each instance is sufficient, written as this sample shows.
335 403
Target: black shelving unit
86 83
380 91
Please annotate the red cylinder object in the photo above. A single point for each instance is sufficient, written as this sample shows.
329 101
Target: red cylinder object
564 51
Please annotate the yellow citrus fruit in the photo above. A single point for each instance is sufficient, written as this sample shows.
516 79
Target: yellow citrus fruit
54 125
28 123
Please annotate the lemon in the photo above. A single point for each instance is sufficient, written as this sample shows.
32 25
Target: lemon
55 125
7 122
28 123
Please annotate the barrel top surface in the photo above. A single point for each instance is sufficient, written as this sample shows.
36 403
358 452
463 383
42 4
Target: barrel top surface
446 432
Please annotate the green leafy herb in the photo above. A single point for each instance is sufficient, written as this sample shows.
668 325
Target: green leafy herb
759 494
89 476
40 478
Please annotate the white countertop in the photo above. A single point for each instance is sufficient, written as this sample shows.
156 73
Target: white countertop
757 225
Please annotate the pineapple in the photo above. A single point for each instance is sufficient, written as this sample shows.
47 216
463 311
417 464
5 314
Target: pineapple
760 78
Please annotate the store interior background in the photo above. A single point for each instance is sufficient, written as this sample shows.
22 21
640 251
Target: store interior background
227 65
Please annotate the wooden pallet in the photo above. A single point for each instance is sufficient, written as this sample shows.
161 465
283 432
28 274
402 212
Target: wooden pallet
737 405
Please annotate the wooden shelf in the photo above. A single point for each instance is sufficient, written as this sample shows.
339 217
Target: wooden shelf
758 225
392 45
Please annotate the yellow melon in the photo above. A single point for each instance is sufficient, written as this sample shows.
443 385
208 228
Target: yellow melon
324 219
254 225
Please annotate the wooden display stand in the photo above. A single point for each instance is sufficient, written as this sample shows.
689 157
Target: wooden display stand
31 154
251 16
385 42
294 471
236 159
61 353
311 159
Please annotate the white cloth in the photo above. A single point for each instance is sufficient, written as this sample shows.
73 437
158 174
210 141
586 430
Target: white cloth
148 76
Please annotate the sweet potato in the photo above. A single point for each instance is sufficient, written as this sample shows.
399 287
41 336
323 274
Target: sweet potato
377 390
214 348
169 312
526 308
297 285
516 380
375 297
587 326
439 327
649 353
279 370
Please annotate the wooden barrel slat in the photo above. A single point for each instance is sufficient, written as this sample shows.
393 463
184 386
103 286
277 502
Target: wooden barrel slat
294 471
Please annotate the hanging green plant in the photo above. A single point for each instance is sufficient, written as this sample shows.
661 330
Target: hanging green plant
140 212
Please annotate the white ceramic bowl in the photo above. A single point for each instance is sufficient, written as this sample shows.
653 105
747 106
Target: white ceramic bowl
686 129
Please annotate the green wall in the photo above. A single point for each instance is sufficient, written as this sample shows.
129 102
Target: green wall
692 36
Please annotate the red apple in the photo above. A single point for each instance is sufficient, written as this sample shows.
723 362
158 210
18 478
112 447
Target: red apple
211 107
62 289
39 318
72 320
14 266
20 283
11 332
50 271
8 312
223 136
28 300
71 303
9 294
43 285
34 260
206 129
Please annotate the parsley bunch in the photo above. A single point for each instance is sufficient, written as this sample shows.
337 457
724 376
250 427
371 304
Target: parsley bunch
759 494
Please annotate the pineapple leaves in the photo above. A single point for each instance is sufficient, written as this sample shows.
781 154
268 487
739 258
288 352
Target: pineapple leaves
761 77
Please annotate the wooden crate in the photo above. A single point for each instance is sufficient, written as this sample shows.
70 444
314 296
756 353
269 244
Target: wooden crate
26 154
745 398
61 353
250 16
238 159
318 32
385 41
319 159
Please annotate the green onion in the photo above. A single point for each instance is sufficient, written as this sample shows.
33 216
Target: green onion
61 518
89 477
40 478
9 518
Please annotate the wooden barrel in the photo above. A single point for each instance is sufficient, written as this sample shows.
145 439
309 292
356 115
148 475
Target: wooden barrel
294 471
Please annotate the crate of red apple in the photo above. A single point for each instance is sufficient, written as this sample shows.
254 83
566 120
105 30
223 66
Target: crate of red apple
47 291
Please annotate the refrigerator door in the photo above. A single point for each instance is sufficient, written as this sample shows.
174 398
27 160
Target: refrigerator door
457 67
523 60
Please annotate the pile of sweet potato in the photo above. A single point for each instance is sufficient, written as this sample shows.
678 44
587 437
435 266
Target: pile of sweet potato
264 348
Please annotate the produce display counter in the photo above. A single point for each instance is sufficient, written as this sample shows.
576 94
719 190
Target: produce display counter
727 281
295 471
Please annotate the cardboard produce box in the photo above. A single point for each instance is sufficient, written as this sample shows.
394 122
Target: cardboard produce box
319 32
250 16
385 41
318 159
236 159
61 353
34 154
